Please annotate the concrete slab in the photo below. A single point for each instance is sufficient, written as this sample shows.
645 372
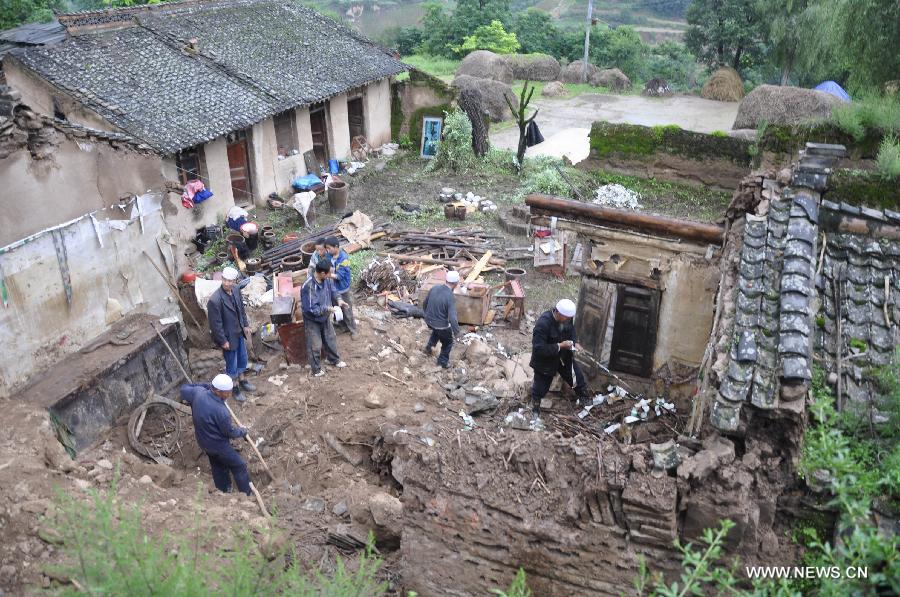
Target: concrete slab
565 123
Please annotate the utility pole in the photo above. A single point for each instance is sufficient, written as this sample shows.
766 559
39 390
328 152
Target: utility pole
587 40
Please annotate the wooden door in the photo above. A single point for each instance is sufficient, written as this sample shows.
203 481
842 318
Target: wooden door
239 167
591 322
319 130
634 332
356 118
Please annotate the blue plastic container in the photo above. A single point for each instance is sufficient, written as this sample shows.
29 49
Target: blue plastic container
333 166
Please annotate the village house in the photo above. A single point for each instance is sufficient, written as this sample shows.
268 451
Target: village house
103 123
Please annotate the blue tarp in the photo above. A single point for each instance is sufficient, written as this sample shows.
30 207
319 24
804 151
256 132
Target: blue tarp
305 183
834 89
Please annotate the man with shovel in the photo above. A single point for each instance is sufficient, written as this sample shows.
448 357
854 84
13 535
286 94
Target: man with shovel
553 346
214 429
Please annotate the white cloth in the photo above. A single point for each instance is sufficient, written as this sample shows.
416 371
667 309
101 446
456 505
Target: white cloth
223 383
566 307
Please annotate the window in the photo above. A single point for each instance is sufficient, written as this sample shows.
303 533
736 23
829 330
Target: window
285 132
634 330
189 163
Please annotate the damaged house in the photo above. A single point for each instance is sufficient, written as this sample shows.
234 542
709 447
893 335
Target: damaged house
104 122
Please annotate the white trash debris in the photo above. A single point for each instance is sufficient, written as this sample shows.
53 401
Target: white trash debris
612 428
467 420
277 380
615 195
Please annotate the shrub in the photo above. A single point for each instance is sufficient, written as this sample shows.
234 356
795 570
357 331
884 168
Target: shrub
888 160
455 149
106 551
493 38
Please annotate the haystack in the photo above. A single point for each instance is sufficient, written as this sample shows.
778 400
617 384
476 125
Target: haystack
486 65
614 79
724 85
554 89
533 67
492 93
783 105
572 73
657 88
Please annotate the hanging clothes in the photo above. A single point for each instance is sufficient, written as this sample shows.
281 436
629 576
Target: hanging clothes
533 135
194 192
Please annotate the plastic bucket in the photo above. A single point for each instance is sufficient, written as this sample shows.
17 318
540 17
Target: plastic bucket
337 195
334 166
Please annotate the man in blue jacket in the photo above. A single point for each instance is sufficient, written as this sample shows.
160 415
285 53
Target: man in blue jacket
440 316
343 283
318 300
213 428
228 323
553 346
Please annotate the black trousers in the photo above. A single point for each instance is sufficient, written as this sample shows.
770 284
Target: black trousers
226 463
541 384
445 337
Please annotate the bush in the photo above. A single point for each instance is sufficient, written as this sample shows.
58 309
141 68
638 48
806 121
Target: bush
888 159
455 149
492 38
106 551
868 112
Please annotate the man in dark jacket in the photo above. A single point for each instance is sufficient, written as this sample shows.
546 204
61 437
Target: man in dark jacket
228 323
440 316
318 300
552 351
213 428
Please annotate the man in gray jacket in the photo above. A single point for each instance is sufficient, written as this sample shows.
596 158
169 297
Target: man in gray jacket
440 316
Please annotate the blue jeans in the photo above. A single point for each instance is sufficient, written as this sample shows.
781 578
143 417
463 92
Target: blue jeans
227 462
236 359
445 337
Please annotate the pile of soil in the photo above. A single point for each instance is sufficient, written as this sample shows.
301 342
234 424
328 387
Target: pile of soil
773 104
724 85
492 95
533 67
483 64
572 73
554 89
613 79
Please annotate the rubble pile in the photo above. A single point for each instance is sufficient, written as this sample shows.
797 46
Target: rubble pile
386 275
470 200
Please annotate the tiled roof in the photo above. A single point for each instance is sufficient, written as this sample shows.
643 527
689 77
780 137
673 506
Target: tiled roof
251 59
773 331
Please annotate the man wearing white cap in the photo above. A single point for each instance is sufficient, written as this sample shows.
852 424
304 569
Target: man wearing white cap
213 428
552 351
228 323
440 316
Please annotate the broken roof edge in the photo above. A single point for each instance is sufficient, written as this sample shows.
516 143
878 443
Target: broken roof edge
671 227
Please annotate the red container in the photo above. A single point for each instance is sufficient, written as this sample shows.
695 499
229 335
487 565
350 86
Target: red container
188 277
293 339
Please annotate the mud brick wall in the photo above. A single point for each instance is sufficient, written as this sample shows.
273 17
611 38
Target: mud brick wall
577 517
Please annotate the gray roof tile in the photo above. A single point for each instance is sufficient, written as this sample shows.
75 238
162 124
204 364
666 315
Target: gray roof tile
253 60
797 368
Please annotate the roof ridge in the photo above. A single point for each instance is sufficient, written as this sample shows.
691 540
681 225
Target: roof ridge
124 16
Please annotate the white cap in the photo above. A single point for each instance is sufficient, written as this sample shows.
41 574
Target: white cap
223 382
566 307
452 277
229 273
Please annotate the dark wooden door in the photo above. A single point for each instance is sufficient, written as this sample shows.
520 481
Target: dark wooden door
592 319
634 331
319 134
239 167
356 118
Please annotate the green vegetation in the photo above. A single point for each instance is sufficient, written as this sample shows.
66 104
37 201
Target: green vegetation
862 187
455 149
16 12
635 140
858 463
518 588
866 114
106 551
888 159
492 37
359 260
438 66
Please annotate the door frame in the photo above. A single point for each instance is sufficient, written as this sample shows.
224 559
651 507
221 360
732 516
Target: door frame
242 136
314 110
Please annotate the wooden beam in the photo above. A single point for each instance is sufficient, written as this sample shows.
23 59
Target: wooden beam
593 231
476 271
697 231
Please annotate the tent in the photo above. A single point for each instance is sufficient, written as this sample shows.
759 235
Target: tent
834 89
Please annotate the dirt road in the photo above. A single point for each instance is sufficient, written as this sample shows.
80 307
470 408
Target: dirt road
566 123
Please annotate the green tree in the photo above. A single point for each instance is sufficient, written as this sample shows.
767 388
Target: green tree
16 12
536 32
725 32
622 48
491 37
868 35
442 32
790 33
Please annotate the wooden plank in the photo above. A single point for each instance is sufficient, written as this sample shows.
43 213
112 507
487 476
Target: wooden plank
476 271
